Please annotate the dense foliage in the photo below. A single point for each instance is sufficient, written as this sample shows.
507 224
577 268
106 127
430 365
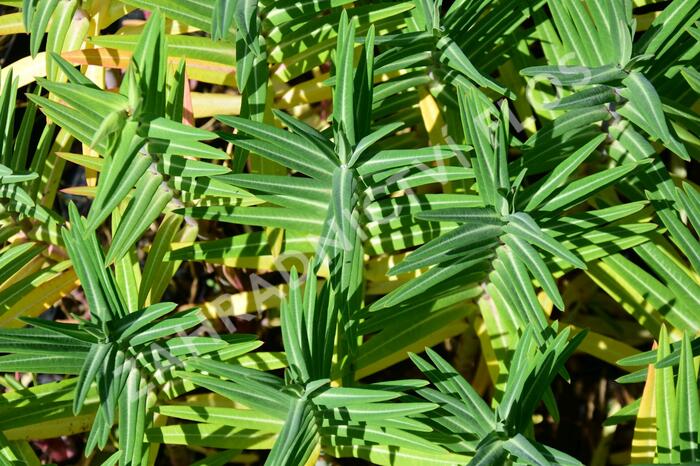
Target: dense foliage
240 227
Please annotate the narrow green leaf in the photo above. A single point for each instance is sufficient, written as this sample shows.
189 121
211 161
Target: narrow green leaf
521 448
528 256
688 406
562 171
93 363
523 226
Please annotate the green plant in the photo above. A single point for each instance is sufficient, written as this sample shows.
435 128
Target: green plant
516 178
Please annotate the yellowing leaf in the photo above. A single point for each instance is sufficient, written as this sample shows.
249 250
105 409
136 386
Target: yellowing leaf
209 72
40 298
644 440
